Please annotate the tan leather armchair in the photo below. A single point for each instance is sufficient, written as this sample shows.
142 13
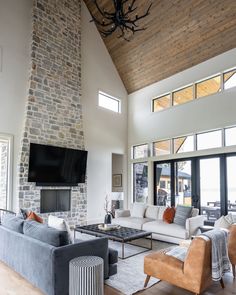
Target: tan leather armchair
194 274
232 247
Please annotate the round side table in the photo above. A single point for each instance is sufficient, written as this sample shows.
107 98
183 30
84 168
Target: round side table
86 276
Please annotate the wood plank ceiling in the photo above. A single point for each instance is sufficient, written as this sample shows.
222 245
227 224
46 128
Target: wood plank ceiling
179 34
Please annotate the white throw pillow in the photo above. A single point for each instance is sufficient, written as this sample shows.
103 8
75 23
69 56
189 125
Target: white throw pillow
138 210
60 224
161 212
222 222
151 212
229 218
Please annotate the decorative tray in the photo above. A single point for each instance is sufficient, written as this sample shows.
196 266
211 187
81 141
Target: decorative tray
108 227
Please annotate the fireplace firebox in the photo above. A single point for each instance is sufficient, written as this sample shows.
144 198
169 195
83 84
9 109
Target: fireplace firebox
55 200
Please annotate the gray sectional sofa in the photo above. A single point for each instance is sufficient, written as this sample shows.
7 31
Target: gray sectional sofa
47 266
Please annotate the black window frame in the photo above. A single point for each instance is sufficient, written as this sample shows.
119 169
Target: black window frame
195 179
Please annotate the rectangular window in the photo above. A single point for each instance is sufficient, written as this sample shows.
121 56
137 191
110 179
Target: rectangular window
183 95
230 79
140 151
161 103
4 172
183 144
161 147
230 136
208 87
209 140
140 181
108 102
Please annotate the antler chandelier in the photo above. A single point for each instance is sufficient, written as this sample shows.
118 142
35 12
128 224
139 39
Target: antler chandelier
122 19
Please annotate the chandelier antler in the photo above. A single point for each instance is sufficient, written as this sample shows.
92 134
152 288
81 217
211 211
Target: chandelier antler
121 19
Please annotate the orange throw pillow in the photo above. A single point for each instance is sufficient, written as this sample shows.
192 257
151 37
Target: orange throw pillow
169 215
34 216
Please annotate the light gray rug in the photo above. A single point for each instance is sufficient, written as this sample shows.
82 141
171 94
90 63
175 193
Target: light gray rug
130 276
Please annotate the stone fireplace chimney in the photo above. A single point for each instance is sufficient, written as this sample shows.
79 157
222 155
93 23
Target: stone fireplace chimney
53 113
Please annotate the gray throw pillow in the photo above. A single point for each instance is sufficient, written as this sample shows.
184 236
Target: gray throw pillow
24 213
182 213
45 234
13 222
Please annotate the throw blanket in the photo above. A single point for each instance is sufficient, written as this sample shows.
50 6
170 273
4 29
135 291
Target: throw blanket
220 259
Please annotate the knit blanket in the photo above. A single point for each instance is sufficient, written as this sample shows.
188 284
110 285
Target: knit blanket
220 259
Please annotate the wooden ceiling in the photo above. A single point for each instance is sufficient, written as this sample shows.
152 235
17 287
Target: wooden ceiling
179 34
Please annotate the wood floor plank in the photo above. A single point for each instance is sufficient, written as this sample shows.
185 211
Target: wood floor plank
12 283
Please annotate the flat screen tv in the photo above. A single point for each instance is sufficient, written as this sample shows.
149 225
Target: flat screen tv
56 166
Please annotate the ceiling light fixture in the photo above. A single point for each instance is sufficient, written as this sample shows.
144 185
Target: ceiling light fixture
123 18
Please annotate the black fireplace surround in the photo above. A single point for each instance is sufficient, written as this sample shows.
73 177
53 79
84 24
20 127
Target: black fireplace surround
55 200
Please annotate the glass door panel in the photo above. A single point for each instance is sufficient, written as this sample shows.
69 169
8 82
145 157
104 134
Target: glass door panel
140 178
163 184
231 184
210 188
183 187
4 151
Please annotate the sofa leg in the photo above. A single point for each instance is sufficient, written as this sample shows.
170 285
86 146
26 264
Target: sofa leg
147 280
222 283
233 268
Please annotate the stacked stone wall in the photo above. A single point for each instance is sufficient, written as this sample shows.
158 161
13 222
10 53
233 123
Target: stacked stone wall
53 110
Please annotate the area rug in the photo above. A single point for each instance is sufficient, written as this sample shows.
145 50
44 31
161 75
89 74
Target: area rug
130 276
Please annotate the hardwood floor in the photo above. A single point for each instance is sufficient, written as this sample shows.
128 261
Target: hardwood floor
13 284
163 288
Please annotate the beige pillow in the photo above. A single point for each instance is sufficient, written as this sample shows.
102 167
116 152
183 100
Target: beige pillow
138 210
229 218
161 212
151 212
60 224
222 222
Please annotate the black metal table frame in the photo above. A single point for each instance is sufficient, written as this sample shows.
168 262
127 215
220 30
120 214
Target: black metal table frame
120 240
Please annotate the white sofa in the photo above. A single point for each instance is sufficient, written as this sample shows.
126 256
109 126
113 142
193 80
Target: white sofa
150 218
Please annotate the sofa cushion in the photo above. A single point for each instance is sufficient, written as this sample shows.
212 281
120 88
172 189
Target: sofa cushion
138 210
13 222
162 228
161 210
132 222
195 212
151 212
60 224
181 214
45 234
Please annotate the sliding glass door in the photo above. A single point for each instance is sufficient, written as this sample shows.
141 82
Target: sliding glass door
206 182
162 184
210 188
231 184
173 183
183 183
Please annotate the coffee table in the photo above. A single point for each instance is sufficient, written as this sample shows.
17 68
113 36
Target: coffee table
122 234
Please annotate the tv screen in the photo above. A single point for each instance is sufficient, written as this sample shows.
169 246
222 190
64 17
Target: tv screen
50 165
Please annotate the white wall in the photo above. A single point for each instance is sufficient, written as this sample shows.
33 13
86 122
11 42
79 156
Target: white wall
15 28
105 131
212 112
